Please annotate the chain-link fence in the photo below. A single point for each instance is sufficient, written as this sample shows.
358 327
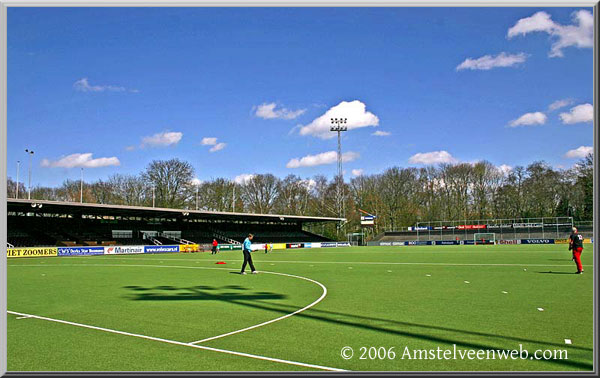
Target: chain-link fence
505 229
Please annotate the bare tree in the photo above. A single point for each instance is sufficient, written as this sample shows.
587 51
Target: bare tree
170 179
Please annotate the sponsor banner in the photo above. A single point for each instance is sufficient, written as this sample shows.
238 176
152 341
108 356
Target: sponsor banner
343 244
125 249
385 244
528 225
446 242
294 245
467 242
316 245
561 241
420 228
328 244
32 252
471 226
165 248
500 226
537 241
418 242
278 245
588 240
80 251
398 243
308 245
517 241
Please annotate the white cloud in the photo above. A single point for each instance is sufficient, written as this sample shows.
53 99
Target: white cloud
354 111
268 111
323 158
528 119
577 114
83 85
381 133
579 34
196 181
488 62
357 172
130 148
434 157
243 178
218 147
505 169
208 141
579 152
163 139
560 104
81 160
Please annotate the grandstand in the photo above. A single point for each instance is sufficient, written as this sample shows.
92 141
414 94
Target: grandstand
35 223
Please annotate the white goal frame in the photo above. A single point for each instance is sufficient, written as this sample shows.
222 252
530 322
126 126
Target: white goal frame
477 238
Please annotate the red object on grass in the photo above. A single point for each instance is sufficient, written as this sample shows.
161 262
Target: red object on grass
220 262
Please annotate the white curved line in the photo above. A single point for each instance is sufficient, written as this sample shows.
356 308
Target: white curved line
177 342
200 267
276 319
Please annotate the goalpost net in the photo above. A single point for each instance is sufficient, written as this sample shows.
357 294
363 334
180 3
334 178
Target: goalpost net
484 238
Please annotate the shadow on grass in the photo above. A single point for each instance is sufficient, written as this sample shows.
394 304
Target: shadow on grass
356 322
551 272
202 293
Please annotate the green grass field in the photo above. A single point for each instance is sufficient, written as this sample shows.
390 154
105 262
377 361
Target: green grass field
142 312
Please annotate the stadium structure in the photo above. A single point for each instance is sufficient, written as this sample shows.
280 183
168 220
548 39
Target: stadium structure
37 223
548 230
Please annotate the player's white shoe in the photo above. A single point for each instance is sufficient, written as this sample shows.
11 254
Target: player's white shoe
243 273
255 272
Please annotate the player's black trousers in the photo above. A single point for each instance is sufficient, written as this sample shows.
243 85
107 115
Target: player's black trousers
247 260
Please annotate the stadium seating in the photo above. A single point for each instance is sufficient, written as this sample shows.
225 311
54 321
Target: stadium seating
56 231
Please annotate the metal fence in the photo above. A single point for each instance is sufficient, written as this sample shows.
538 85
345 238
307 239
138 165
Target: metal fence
509 228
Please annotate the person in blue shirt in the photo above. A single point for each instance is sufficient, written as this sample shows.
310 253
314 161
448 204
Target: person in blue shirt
247 250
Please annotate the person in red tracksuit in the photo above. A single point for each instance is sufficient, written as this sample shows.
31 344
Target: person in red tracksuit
576 245
214 246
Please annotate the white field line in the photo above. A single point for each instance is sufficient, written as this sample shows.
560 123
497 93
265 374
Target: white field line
179 343
346 262
198 267
276 319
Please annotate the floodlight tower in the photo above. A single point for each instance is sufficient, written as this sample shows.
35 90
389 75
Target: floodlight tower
339 125
30 154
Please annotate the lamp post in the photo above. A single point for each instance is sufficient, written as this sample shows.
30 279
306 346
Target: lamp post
197 189
153 196
338 125
30 153
233 199
81 187
18 167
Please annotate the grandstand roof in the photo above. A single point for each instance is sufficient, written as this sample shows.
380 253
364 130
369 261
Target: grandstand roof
58 207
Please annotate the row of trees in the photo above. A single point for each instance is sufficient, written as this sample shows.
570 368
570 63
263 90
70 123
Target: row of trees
399 196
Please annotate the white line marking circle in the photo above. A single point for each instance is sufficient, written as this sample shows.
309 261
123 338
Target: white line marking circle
211 268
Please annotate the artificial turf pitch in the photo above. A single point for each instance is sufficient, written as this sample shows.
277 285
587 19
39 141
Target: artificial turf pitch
409 298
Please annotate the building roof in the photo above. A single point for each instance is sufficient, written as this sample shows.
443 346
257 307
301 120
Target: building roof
58 207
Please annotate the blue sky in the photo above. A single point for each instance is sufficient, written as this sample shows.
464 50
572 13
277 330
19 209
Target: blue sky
447 84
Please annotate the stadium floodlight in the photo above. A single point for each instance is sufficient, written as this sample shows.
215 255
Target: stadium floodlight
30 153
338 125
